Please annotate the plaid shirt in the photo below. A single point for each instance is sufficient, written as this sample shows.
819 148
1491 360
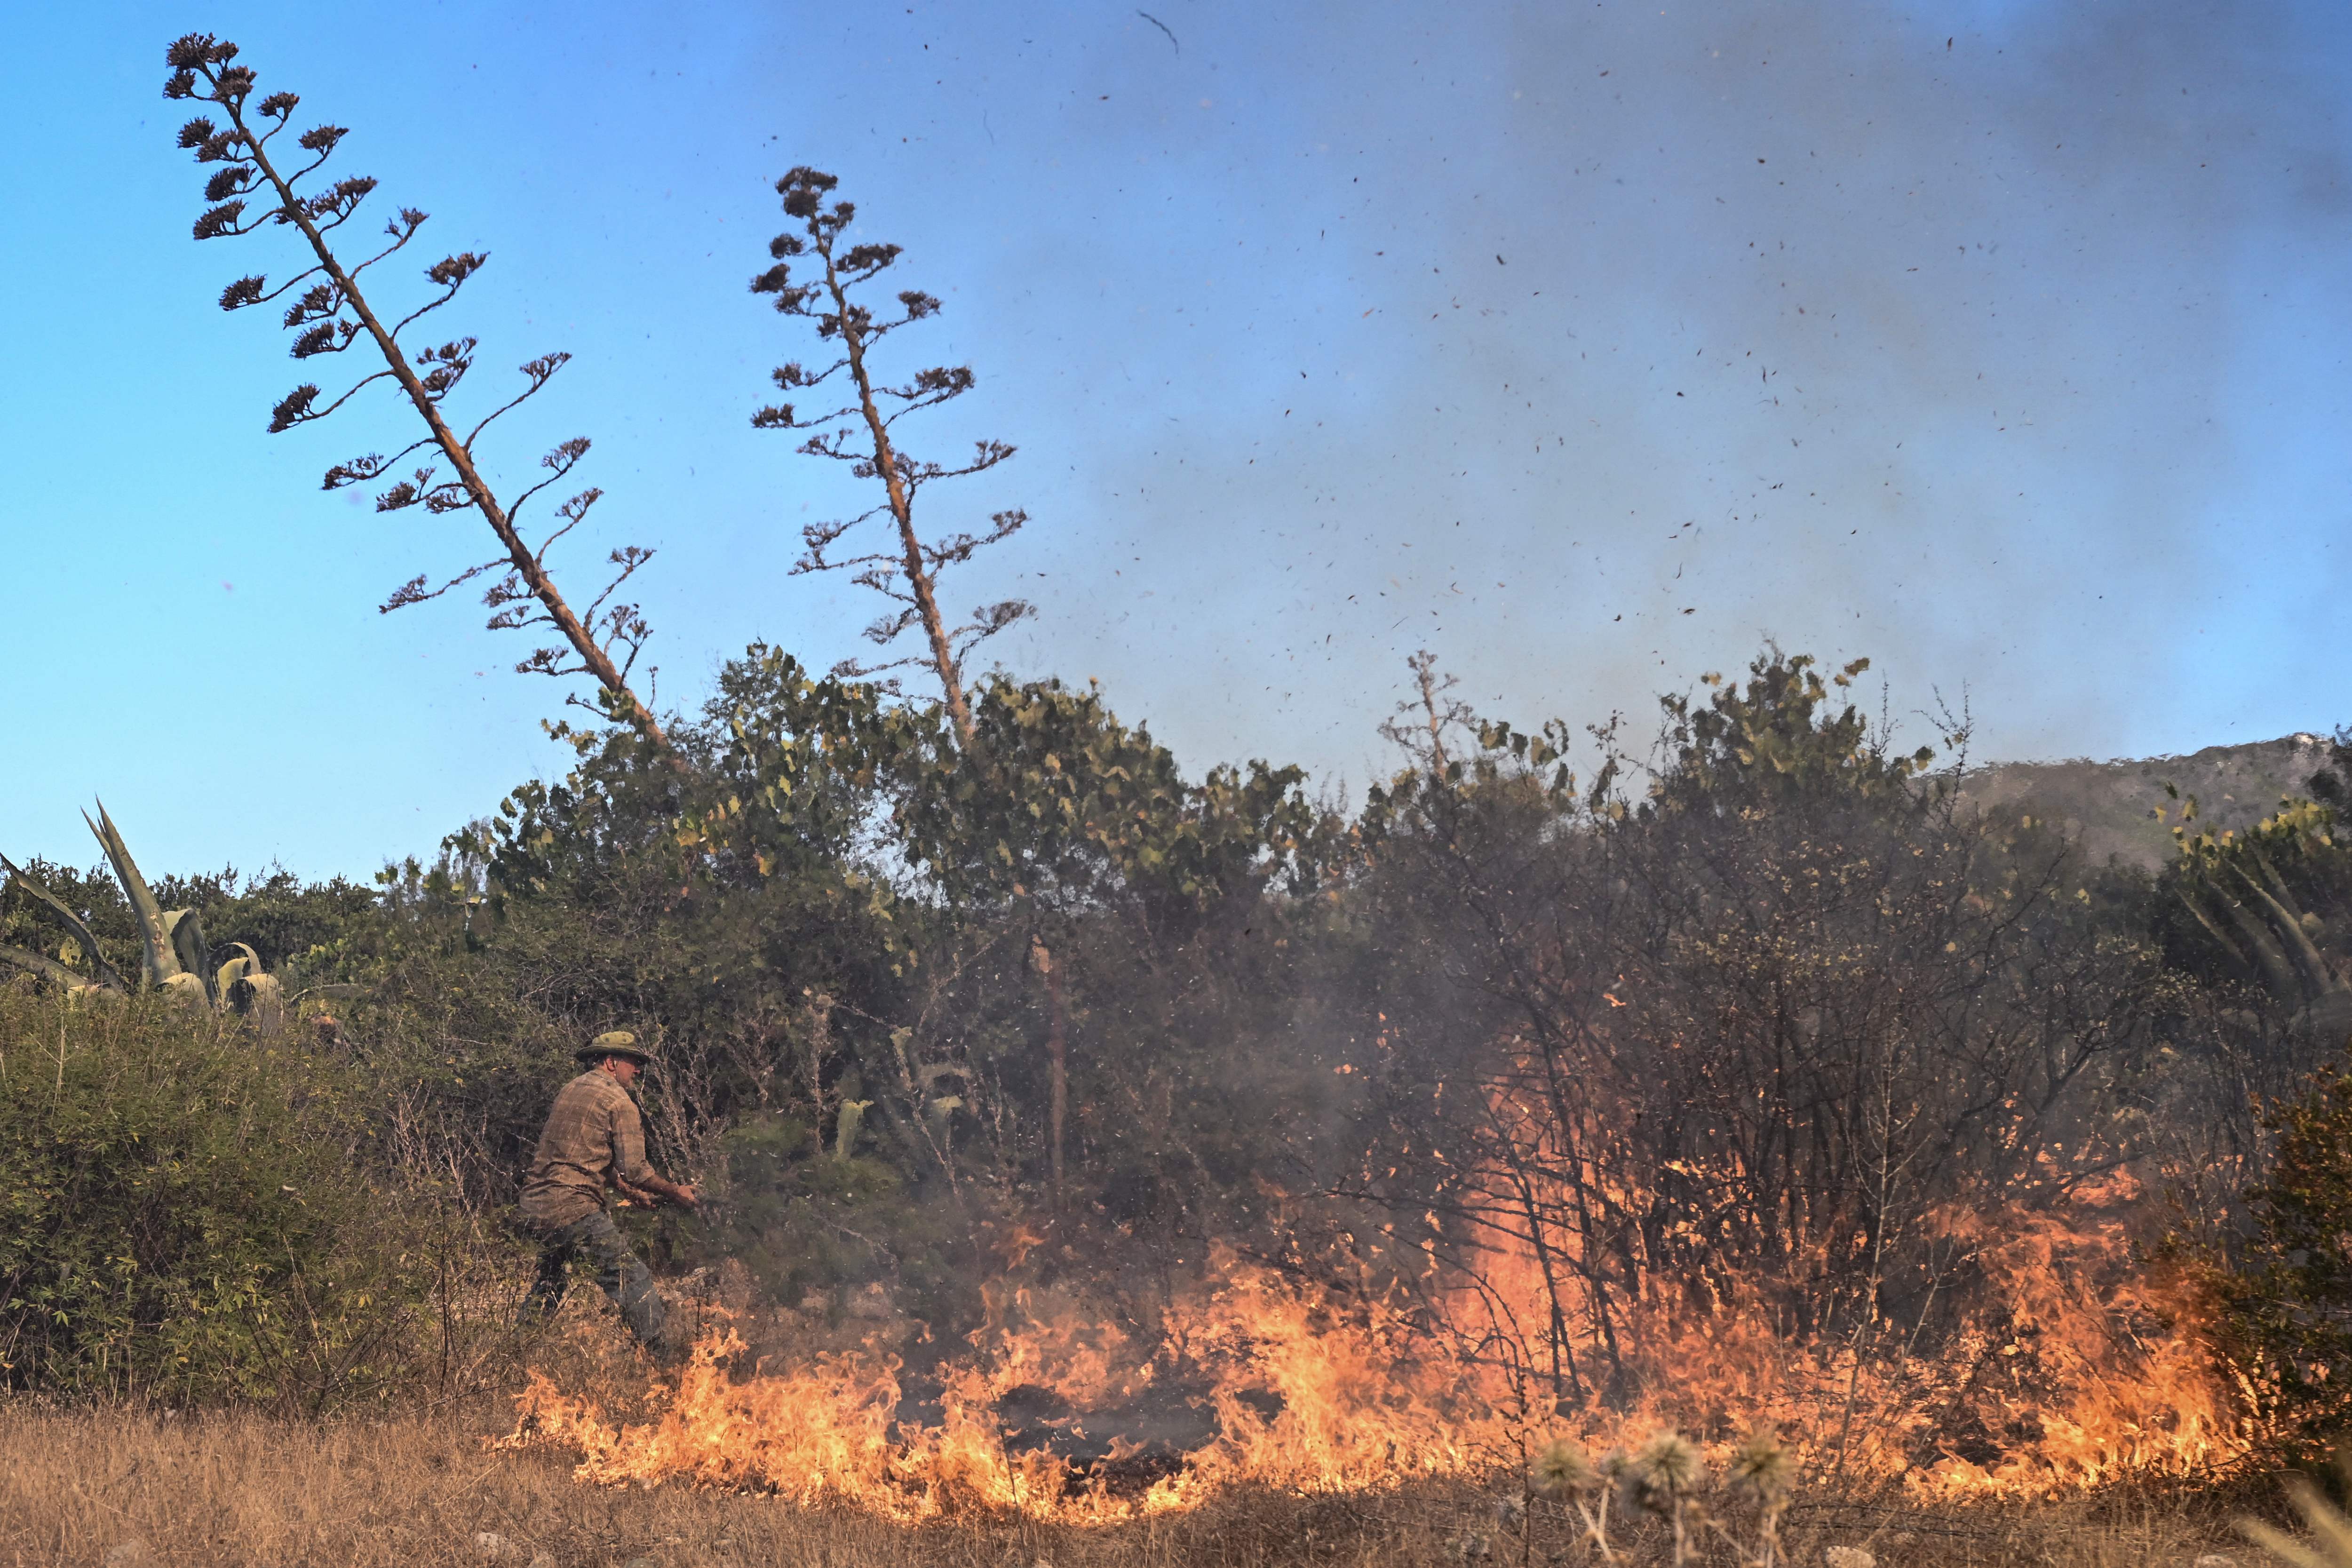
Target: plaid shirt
594 1134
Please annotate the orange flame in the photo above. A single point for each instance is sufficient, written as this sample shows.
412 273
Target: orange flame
2078 1372
1304 1399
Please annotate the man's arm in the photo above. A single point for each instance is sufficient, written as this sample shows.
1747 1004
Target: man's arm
646 1188
631 1173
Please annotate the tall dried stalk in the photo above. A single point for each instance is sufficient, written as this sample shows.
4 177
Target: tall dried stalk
862 432
331 315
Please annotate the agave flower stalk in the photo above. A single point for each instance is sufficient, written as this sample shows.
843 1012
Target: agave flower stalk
331 315
861 431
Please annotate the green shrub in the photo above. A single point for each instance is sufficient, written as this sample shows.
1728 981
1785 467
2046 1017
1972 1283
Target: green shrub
801 1217
186 1212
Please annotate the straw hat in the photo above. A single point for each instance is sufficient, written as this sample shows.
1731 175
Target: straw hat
614 1043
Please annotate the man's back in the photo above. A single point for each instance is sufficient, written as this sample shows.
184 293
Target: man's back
594 1131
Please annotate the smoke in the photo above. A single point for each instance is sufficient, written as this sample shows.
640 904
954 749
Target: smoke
1591 346
1327 332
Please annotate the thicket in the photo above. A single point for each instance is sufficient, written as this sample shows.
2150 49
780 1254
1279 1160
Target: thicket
1734 1022
188 1212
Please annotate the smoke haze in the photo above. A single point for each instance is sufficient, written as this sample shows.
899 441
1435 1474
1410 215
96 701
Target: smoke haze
1588 345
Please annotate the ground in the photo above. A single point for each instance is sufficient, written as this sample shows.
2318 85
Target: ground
80 1487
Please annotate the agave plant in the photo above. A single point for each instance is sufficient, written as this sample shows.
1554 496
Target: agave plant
1765 1470
173 954
1660 1477
1665 1477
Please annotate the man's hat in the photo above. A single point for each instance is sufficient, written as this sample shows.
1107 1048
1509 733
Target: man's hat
614 1043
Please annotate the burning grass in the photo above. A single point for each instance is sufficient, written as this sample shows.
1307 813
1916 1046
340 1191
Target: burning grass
1261 1416
248 1492
2075 1374
1256 1382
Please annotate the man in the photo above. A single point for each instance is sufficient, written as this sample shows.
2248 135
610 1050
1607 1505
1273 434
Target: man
595 1138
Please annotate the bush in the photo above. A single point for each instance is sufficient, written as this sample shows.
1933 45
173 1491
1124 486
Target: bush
2287 1307
186 1214
803 1218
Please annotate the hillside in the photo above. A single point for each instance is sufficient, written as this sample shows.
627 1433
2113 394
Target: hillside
2112 804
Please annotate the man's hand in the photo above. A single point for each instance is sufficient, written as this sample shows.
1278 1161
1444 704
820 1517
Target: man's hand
651 1187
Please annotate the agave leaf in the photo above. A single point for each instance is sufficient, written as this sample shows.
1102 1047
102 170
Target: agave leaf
340 991
261 1001
161 962
188 945
107 974
845 1135
2280 1544
40 964
186 987
232 974
2330 1529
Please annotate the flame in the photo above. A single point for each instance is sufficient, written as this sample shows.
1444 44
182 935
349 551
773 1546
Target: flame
1305 1396
2128 1387
2078 1369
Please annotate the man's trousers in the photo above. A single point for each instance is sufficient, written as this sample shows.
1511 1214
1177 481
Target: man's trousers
626 1282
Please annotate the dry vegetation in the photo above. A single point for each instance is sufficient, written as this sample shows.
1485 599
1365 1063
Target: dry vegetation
1779 1085
117 1487
250 1491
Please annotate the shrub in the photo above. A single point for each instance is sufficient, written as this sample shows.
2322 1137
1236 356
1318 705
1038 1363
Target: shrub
186 1214
2287 1306
803 1218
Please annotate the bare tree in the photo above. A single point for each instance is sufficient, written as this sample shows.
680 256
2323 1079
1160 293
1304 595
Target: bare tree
1420 720
1738 1044
329 315
861 433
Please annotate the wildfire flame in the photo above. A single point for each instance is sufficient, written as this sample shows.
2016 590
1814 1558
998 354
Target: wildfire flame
2079 1373
1304 1399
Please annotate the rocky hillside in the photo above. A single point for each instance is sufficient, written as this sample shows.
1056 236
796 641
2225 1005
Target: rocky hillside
2112 804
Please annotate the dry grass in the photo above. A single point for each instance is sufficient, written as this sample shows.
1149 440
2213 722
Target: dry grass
125 1488
255 1491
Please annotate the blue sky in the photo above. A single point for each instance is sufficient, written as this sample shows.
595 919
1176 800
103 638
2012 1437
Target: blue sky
1588 345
